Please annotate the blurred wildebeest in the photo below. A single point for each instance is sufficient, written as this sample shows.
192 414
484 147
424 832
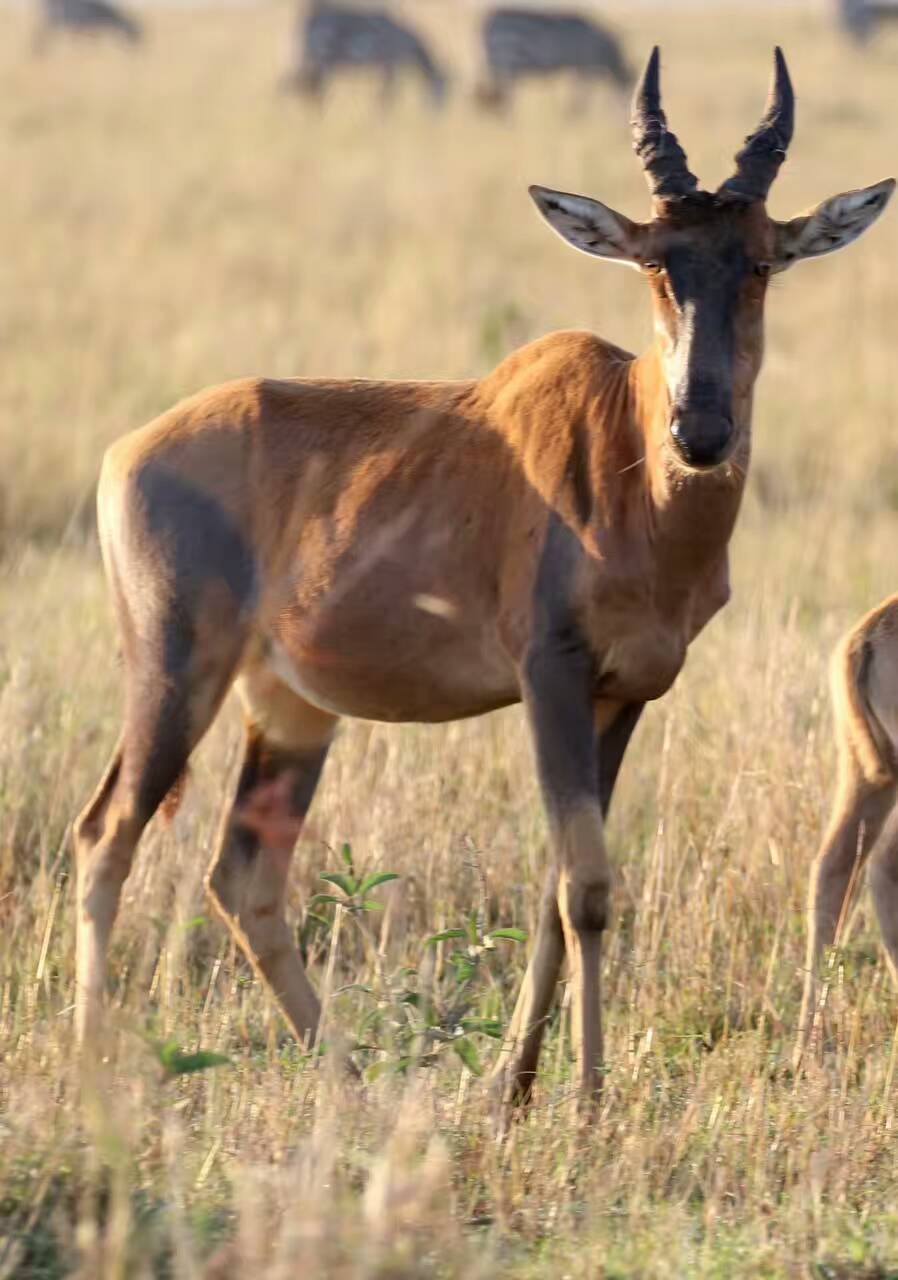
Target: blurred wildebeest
532 42
859 18
85 17
331 37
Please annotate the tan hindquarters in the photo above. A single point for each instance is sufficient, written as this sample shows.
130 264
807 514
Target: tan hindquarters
863 823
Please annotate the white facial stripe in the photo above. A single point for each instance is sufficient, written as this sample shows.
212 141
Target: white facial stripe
677 364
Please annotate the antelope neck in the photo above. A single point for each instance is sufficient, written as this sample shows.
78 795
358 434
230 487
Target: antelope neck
687 506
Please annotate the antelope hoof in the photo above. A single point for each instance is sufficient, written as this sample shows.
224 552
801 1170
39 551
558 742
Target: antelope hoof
510 1093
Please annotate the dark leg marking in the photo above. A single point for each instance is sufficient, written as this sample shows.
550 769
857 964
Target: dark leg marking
613 744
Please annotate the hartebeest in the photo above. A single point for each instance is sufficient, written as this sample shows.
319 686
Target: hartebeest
864 820
555 533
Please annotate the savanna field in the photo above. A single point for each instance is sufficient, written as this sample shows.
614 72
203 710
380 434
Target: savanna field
170 220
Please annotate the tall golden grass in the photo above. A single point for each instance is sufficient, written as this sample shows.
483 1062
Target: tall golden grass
169 219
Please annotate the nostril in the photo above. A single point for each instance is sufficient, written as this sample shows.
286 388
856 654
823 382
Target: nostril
701 439
676 430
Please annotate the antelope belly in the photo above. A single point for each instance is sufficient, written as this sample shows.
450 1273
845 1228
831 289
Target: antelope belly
393 686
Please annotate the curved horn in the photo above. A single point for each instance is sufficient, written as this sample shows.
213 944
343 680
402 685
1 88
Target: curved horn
757 164
663 159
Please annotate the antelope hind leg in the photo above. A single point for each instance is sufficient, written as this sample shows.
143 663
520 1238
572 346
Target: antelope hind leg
864 691
883 877
286 746
168 709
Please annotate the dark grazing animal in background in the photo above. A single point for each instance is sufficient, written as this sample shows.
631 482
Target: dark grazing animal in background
336 37
554 533
863 824
860 18
85 17
522 43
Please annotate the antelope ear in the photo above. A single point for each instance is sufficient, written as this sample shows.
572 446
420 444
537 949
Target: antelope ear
589 226
831 225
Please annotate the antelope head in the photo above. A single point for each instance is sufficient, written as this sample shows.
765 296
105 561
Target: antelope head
708 258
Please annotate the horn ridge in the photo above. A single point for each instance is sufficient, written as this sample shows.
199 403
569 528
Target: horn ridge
659 152
759 160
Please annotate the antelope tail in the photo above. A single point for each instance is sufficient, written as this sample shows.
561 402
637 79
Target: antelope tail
856 719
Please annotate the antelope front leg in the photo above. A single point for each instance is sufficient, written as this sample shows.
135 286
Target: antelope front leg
558 689
515 1070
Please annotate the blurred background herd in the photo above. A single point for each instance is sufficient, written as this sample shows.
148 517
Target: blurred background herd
515 42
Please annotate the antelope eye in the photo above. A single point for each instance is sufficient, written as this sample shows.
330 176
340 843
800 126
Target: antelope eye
763 269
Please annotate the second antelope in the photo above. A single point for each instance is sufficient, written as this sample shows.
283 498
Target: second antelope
553 534
864 821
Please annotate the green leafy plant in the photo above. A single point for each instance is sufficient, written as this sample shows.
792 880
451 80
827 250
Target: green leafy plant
416 1014
454 1024
175 1062
354 887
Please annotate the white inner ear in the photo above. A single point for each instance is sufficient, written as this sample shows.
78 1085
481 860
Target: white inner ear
833 224
588 225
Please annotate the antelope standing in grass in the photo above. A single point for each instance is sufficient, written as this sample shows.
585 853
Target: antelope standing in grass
331 37
554 534
863 825
85 17
522 43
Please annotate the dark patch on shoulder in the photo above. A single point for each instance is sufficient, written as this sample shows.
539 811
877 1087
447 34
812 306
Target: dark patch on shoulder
577 471
559 669
557 633
612 746
554 582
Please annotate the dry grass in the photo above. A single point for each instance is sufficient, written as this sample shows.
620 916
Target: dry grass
170 221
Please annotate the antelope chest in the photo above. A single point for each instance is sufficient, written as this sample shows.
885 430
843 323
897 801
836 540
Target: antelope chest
639 647
640 621
641 664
